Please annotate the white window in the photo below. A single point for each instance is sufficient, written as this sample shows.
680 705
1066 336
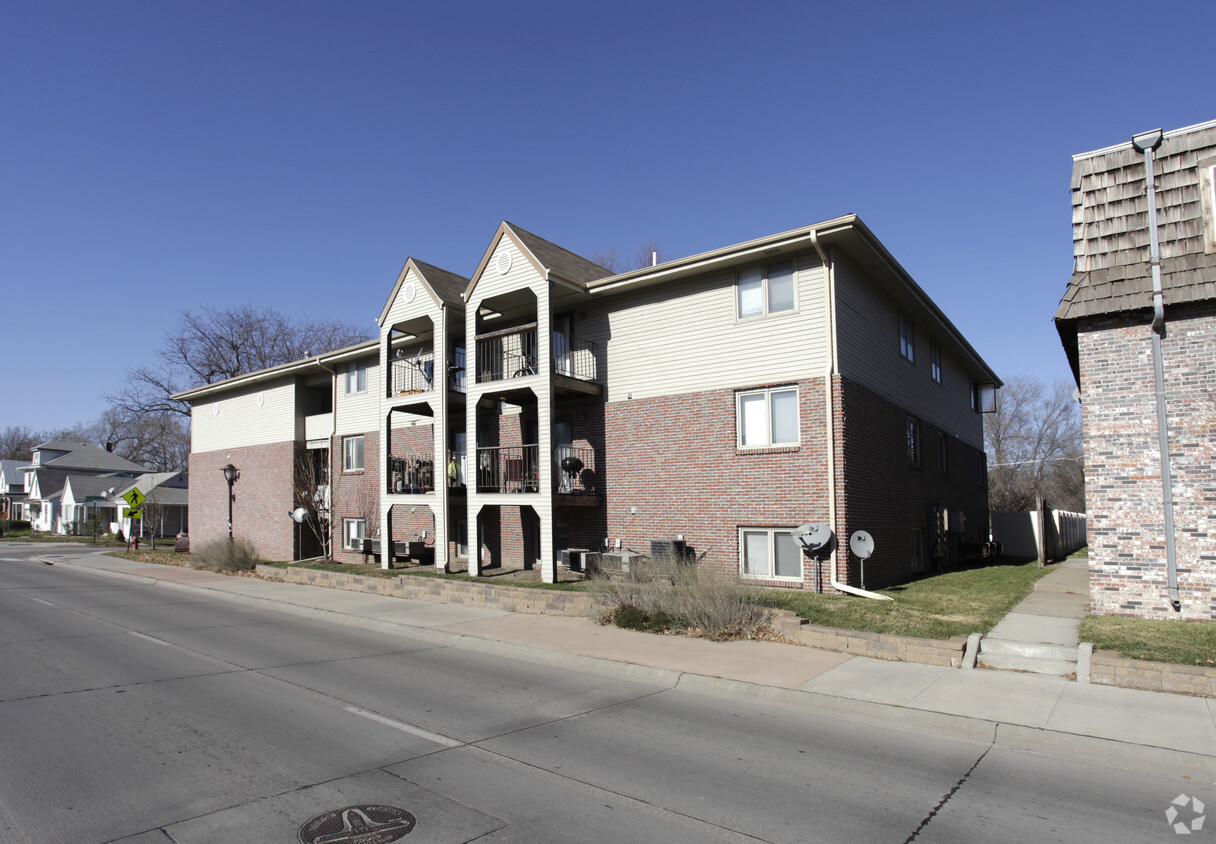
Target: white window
356 378
352 454
769 553
935 361
907 337
768 417
913 441
765 290
353 533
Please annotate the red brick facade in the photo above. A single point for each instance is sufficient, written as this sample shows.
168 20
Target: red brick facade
262 498
1127 556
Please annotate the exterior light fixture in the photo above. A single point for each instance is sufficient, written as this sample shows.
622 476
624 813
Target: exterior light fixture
231 474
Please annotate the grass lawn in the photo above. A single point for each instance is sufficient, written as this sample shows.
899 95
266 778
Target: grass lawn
953 603
1179 642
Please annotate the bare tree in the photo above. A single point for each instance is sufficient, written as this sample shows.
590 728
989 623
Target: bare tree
1034 449
649 253
160 441
212 345
311 492
17 443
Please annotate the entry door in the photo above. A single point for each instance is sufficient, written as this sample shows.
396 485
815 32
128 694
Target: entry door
563 447
563 354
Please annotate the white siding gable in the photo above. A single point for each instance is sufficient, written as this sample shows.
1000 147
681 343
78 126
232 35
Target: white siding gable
256 415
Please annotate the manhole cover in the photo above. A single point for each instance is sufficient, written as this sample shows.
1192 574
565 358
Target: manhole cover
358 825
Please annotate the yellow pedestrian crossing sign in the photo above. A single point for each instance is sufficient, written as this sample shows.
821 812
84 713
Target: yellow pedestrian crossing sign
134 497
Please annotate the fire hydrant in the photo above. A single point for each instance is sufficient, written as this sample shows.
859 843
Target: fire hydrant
136 543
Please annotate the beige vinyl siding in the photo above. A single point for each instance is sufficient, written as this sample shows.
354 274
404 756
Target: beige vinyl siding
358 412
686 337
867 336
521 275
241 421
400 310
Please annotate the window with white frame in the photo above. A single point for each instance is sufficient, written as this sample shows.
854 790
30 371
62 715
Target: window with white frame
769 553
352 454
354 531
913 441
765 290
907 337
767 417
935 361
356 378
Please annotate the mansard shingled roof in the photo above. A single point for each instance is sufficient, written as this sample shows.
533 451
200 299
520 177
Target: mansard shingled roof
561 261
1110 227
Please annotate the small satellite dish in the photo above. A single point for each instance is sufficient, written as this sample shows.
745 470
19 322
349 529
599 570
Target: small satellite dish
401 354
813 537
300 515
861 544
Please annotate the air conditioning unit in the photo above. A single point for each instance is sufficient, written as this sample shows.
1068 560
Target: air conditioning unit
674 548
575 558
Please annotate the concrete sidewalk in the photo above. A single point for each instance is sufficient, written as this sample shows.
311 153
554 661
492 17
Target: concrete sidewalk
1171 734
1042 634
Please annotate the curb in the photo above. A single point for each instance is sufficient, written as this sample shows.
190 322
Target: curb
1064 745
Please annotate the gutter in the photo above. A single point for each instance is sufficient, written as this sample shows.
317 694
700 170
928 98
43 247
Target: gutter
1147 143
828 384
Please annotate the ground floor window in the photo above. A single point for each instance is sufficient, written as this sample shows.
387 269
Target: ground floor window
353 533
769 553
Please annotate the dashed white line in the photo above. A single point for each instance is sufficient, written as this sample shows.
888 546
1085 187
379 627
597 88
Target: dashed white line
404 727
39 600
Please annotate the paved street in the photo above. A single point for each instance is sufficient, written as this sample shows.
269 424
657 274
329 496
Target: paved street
130 712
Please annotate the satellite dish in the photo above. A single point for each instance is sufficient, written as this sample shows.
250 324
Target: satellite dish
300 515
813 537
401 354
861 544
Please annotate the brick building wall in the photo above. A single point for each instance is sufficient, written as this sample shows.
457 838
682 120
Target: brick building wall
262 498
354 494
672 467
882 492
1127 556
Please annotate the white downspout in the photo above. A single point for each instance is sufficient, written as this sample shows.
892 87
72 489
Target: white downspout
829 373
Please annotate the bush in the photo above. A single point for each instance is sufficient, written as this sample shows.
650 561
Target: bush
14 526
222 555
662 594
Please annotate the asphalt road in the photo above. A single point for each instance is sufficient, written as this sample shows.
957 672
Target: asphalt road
143 714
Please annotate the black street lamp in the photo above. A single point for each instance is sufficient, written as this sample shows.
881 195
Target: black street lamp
231 473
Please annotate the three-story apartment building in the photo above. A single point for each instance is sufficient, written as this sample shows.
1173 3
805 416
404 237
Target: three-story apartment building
711 404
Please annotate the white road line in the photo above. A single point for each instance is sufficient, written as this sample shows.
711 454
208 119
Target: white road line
405 728
10 559
39 600
152 639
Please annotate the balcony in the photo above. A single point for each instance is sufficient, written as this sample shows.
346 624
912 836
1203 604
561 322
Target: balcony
516 469
415 373
411 473
512 353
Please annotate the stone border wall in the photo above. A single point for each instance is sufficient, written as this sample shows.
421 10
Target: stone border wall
1109 669
876 645
441 590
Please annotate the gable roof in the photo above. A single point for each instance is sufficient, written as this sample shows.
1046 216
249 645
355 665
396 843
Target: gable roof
446 288
86 457
1111 238
82 486
10 474
549 259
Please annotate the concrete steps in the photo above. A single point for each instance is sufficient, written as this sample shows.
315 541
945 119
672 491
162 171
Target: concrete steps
1032 657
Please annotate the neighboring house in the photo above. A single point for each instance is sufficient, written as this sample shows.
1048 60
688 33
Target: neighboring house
1105 321
713 403
12 490
165 509
48 474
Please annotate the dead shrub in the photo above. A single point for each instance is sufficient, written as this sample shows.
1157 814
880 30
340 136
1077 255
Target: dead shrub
222 555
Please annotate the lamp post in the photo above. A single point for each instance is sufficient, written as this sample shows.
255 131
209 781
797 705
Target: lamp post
231 473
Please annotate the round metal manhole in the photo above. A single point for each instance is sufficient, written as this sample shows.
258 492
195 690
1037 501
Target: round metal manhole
358 825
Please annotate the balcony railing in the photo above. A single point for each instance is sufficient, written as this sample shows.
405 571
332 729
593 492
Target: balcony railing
576 471
411 473
415 373
508 469
512 353
515 469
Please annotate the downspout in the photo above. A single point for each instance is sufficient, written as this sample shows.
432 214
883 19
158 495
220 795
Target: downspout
1147 143
829 373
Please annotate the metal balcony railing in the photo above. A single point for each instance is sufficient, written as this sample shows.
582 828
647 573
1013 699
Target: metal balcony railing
512 353
576 471
411 473
508 469
414 372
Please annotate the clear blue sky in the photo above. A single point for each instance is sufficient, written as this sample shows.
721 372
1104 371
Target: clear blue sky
161 156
